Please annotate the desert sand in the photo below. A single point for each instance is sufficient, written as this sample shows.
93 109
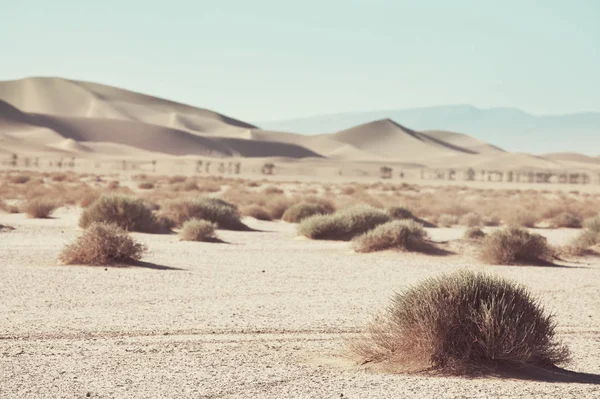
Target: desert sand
265 315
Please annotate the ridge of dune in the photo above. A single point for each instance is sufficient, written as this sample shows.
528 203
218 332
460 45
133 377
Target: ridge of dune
388 139
571 157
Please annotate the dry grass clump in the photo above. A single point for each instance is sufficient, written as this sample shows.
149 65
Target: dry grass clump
446 220
513 245
592 224
146 185
567 219
4 207
113 185
463 324
343 225
102 244
521 217
406 235
198 230
131 214
270 190
19 179
474 233
400 212
298 212
39 208
257 212
472 219
221 212
585 240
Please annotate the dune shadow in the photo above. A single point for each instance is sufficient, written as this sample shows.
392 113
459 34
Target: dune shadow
548 263
431 248
552 374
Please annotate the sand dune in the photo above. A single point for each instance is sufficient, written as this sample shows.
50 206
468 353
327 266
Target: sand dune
94 120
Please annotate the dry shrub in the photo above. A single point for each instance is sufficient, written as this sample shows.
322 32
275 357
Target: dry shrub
585 240
406 235
343 225
446 220
146 185
567 219
348 190
4 207
19 179
491 221
515 244
198 230
102 244
521 217
592 224
474 233
88 198
270 190
257 212
298 212
132 214
177 179
278 205
223 213
472 219
399 213
39 208
113 185
464 324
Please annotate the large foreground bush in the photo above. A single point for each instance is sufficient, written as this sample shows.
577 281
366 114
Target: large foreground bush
513 245
343 225
463 323
215 210
131 214
405 235
102 244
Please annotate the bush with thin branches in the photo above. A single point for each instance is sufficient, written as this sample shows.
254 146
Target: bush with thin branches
474 233
405 235
39 208
302 210
567 219
515 245
132 214
223 213
198 230
102 244
257 212
343 225
464 324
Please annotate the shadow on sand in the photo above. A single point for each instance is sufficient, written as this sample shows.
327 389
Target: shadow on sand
554 374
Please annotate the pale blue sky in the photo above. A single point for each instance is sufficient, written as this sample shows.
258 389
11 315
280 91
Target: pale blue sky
273 59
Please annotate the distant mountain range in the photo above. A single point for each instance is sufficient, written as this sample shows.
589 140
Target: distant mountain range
509 128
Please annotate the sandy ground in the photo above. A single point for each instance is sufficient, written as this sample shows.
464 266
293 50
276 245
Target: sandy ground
265 316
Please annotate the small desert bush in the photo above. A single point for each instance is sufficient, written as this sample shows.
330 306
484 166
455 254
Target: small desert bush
464 324
270 190
19 179
131 214
491 221
298 212
472 219
257 212
446 220
586 239
146 185
514 244
343 225
474 233
522 218
223 213
567 219
177 179
39 208
406 235
102 244
399 213
113 185
198 230
592 224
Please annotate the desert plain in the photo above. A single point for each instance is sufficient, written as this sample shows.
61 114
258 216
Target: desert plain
266 312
